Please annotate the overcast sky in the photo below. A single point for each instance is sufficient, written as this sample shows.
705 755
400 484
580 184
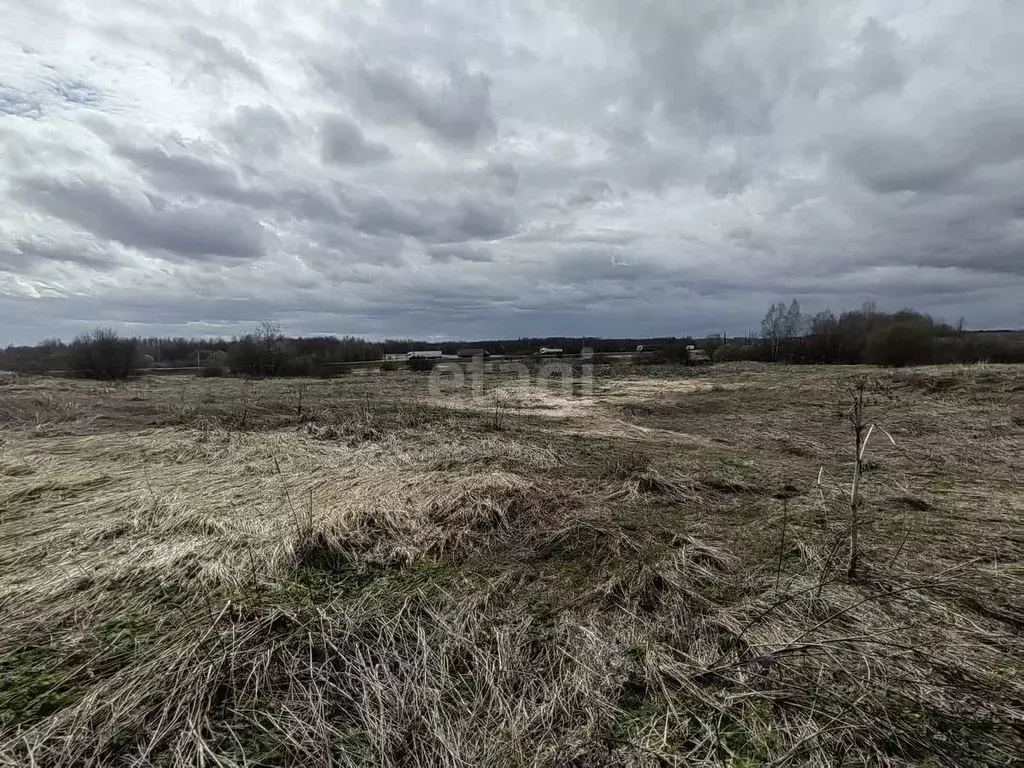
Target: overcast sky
498 168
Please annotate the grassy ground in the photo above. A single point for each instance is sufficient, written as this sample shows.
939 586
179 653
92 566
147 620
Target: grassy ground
352 572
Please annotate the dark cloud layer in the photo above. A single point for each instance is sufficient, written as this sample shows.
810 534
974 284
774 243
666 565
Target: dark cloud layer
344 143
449 102
29 256
260 130
146 222
503 169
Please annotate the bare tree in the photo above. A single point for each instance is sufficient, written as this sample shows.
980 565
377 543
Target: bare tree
259 352
268 337
772 327
793 323
781 322
823 328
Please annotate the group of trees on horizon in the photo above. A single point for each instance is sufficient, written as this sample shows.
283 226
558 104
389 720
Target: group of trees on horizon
861 336
869 336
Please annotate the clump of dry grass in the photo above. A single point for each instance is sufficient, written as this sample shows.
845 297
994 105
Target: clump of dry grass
353 432
206 592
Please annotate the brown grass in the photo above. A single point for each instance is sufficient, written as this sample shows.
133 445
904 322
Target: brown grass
199 571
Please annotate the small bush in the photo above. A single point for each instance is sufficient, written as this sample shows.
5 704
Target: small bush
304 365
389 366
212 372
900 343
732 352
103 355
976 348
420 364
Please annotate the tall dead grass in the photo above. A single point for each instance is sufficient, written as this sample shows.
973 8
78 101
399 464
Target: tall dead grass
404 592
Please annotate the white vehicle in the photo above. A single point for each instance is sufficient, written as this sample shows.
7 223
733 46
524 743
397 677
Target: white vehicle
424 354
550 351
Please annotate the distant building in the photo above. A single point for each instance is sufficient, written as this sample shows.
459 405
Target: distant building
473 352
550 351
424 354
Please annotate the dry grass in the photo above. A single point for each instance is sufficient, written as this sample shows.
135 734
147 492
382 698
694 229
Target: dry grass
202 572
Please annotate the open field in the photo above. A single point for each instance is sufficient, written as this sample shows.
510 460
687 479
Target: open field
351 572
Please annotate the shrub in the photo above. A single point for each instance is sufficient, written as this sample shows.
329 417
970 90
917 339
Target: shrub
975 348
262 352
388 366
734 351
304 365
103 355
212 372
903 342
420 364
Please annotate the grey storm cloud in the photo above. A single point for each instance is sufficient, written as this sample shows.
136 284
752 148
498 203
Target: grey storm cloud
878 68
991 134
344 142
147 221
463 220
452 103
506 178
29 256
260 129
183 173
448 252
200 172
407 168
218 57
591 191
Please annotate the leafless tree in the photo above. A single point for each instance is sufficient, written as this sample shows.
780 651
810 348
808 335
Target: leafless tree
781 322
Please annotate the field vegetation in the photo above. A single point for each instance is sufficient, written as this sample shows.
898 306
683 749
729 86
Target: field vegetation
228 572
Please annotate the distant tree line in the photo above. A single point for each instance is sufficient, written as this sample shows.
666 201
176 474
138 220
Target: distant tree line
265 351
868 336
862 336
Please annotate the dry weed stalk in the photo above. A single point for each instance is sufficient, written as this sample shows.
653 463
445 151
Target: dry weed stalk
863 427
